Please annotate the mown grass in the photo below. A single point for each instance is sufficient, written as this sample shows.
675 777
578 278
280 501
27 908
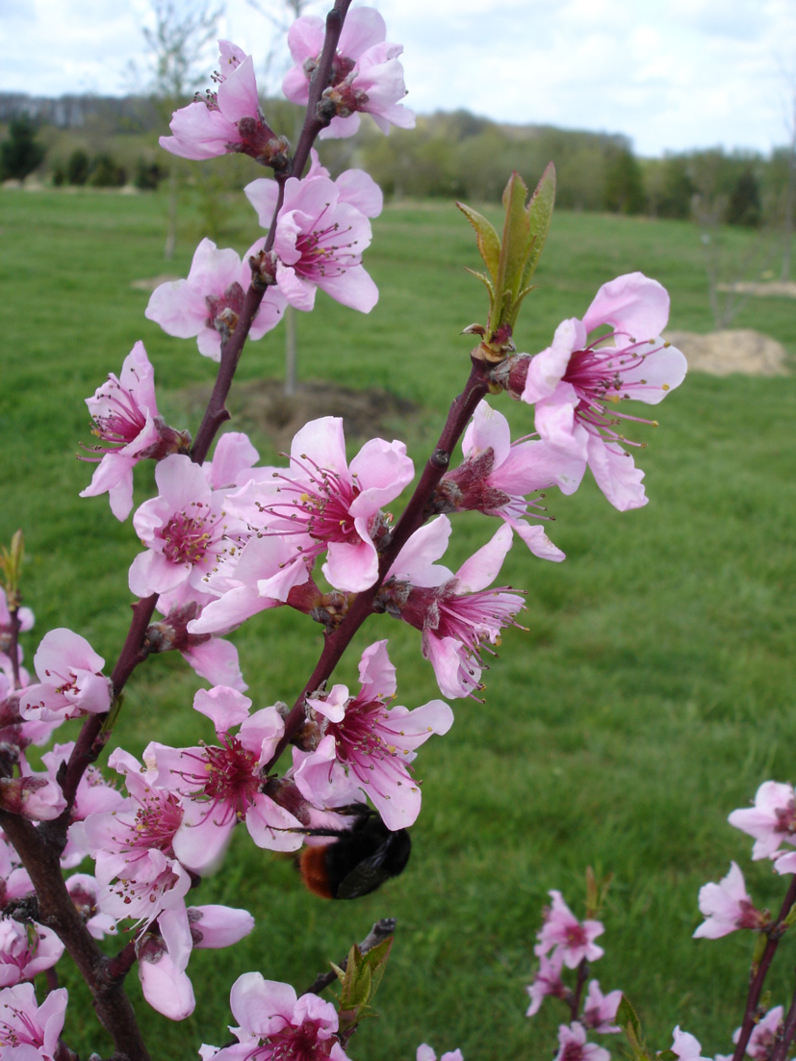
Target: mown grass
650 695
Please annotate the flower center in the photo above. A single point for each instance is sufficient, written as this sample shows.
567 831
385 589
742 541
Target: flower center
185 538
299 1043
122 422
156 821
322 506
322 253
225 309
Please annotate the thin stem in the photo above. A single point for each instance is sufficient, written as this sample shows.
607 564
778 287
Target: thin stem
13 646
583 973
788 1031
336 643
320 80
758 978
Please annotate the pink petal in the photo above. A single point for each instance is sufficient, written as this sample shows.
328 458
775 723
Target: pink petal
484 566
237 94
616 474
633 304
363 28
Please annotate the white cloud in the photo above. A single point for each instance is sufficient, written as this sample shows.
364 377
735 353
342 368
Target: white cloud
677 74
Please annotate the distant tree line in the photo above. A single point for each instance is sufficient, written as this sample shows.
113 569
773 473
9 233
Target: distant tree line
450 155
462 156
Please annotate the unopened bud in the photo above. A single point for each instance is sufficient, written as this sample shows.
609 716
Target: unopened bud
512 374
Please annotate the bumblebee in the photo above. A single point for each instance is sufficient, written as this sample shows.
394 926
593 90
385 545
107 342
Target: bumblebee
358 859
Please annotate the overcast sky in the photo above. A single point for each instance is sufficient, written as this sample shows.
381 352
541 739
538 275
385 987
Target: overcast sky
670 74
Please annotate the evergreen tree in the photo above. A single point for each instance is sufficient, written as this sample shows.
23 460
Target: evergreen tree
624 184
77 167
20 154
744 207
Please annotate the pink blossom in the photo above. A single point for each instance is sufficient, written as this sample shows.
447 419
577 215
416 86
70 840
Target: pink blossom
70 677
546 982
26 950
572 1045
15 731
227 120
323 230
213 659
84 892
354 186
686 1046
771 821
456 613
138 875
94 795
233 461
726 906
126 418
186 532
220 785
162 961
209 302
29 1032
213 926
14 880
266 571
163 958
497 473
366 74
324 504
571 381
764 1035
599 1010
367 742
563 933
34 796
275 1024
425 1053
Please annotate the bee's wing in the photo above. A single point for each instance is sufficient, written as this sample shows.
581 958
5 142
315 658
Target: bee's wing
366 876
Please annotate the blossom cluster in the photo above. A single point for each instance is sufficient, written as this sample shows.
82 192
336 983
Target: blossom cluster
566 942
226 537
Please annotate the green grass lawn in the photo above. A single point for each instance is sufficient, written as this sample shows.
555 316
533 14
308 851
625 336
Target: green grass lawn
652 692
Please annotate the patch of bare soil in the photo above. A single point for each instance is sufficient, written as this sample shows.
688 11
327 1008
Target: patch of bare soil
263 403
762 289
733 350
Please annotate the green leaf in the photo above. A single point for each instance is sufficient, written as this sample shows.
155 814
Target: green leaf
514 245
627 1019
377 962
356 982
488 240
487 282
540 213
361 979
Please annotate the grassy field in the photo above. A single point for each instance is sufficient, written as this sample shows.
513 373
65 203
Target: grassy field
651 694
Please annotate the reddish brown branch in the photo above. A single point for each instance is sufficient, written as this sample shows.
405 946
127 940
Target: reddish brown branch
57 911
758 977
336 643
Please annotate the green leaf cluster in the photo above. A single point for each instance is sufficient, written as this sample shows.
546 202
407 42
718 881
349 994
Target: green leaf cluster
360 981
511 260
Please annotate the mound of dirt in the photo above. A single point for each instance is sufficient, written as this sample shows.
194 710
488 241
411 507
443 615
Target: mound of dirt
733 350
263 403
151 282
762 288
